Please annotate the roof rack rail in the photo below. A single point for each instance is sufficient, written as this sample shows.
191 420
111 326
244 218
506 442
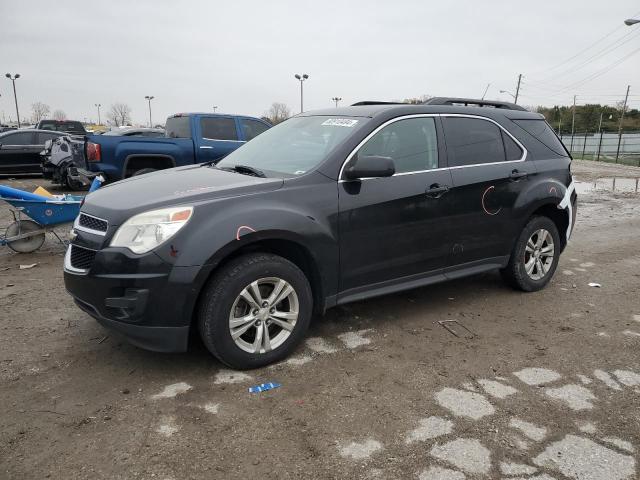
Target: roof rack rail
473 102
375 102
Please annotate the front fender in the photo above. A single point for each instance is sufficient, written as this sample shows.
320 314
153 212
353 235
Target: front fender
220 228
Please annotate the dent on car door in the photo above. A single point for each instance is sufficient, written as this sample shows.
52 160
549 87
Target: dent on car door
396 227
488 171
218 137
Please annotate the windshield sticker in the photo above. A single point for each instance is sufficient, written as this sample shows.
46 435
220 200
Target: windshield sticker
340 122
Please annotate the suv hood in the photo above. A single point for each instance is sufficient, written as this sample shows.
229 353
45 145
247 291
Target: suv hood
176 186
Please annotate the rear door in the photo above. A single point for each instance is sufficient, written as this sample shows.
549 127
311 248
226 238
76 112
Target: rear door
218 136
395 229
19 153
489 170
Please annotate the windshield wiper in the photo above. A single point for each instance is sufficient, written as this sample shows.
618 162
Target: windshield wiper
247 170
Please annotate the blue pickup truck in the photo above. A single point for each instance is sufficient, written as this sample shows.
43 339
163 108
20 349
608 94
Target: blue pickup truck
189 138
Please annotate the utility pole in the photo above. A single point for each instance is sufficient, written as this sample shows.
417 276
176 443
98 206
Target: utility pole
215 107
485 91
573 123
624 107
600 132
98 105
517 89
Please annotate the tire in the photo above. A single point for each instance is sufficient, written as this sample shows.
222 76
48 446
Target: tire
28 244
72 184
519 273
222 301
143 171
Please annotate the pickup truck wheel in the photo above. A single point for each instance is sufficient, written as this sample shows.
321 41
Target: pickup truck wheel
143 171
255 310
534 257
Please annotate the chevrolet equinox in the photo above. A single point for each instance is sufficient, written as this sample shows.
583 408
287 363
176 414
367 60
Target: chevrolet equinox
326 208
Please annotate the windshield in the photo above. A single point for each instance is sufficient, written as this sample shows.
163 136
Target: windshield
293 147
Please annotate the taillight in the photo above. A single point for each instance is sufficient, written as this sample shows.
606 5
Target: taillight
93 152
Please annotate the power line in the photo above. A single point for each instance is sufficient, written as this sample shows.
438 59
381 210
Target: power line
601 53
587 48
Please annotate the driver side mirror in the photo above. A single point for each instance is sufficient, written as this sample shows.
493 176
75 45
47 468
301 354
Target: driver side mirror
369 166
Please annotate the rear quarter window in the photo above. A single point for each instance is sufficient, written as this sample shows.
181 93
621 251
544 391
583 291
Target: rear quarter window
541 131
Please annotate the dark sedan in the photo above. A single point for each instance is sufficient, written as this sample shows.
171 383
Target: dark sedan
20 150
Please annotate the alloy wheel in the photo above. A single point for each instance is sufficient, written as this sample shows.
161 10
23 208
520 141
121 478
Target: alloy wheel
539 254
264 315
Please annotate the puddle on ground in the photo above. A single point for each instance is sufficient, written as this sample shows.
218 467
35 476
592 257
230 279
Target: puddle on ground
610 184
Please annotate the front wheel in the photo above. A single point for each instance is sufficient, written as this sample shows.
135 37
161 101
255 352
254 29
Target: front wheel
534 257
255 310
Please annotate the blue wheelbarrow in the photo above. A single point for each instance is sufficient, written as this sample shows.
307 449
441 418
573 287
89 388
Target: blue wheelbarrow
45 213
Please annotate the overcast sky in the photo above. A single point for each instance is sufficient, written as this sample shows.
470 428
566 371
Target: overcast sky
242 56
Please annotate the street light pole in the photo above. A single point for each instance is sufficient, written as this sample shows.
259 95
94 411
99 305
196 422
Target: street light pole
301 78
508 92
98 105
336 99
215 107
149 98
15 96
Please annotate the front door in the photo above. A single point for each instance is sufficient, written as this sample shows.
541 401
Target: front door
488 171
394 229
217 138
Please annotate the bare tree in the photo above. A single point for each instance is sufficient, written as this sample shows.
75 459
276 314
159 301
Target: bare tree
39 110
278 112
59 115
119 114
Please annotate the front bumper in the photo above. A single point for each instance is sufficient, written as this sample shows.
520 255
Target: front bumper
144 298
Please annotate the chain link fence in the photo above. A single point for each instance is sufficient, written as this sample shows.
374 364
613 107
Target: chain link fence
603 146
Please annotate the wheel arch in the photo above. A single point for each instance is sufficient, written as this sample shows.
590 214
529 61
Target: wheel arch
294 251
147 160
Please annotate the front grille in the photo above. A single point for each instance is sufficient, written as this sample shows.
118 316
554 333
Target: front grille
82 258
92 223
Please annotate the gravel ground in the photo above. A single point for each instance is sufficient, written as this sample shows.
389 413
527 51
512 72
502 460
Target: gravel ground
543 385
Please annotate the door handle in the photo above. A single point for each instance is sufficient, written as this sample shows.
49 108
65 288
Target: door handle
206 147
436 190
516 175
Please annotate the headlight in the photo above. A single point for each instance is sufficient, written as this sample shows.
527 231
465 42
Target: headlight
145 231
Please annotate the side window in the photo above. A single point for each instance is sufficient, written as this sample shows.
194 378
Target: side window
411 143
252 128
21 138
511 149
43 137
471 141
218 128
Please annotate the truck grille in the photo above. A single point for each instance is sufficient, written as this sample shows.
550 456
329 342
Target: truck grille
82 258
93 223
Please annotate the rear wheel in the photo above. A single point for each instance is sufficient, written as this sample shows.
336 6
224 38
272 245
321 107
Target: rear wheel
28 244
255 310
535 256
71 183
